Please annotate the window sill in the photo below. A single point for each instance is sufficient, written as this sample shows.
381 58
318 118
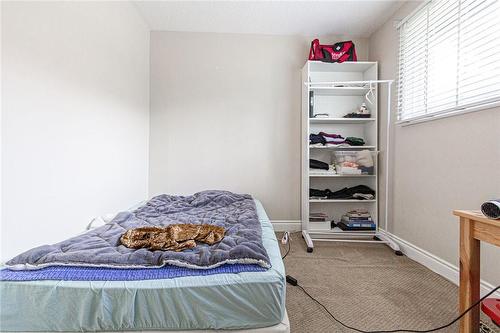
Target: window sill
424 119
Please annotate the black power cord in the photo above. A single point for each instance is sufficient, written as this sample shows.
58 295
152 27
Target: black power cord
291 280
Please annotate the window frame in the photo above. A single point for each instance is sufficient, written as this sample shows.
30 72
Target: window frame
487 104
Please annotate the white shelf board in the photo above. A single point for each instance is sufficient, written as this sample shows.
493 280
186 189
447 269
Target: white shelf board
347 66
338 231
342 148
339 201
340 91
311 174
340 120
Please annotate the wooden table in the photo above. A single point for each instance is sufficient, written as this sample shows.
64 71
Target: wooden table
474 227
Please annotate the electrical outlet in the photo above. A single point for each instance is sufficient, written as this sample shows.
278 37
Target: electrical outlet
285 238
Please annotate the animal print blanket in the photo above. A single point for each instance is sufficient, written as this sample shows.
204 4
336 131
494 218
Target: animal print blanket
101 247
175 237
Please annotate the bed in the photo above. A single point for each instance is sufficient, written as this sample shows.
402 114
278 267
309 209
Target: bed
243 302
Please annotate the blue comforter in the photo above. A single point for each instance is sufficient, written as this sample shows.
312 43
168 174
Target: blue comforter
101 247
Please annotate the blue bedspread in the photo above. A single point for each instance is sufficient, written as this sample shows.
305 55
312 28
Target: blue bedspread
101 247
69 273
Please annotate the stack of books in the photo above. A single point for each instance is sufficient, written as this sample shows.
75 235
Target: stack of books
356 220
318 217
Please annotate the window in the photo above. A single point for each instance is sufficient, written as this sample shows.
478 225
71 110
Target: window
449 58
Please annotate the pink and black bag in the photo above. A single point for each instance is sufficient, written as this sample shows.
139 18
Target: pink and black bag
338 52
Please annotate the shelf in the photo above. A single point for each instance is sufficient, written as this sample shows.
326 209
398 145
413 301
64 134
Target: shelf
346 66
337 175
339 201
339 91
340 120
343 148
338 231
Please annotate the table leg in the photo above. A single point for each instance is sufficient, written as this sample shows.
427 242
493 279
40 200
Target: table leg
469 276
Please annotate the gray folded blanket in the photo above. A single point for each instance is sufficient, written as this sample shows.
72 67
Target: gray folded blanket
101 247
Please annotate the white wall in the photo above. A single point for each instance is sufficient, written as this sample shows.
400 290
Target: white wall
225 114
439 166
75 117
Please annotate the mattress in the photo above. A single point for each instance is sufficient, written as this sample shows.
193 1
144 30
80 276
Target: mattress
282 327
245 300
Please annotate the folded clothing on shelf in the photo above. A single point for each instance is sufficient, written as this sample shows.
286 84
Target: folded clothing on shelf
318 194
316 164
363 196
354 141
360 192
316 138
335 139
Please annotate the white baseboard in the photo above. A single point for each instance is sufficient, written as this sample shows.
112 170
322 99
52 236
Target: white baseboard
434 263
286 225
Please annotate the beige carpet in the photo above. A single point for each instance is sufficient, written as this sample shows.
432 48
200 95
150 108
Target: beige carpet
366 286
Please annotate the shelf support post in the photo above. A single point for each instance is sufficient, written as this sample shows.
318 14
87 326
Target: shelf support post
308 240
382 236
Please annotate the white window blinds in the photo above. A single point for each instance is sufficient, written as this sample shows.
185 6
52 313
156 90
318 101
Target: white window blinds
449 58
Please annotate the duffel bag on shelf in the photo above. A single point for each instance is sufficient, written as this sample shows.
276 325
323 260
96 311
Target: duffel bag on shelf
338 52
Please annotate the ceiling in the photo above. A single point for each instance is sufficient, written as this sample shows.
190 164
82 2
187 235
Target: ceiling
309 18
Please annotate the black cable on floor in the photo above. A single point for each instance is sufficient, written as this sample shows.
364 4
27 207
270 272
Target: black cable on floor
399 330
295 283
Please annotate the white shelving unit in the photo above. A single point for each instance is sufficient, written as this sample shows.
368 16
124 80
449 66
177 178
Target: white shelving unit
339 89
